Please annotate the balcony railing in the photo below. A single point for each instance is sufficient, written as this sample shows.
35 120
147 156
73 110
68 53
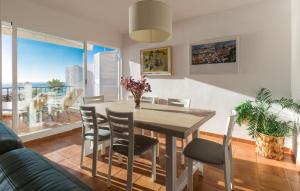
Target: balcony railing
59 90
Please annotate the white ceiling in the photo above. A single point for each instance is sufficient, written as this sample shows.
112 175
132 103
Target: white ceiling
115 12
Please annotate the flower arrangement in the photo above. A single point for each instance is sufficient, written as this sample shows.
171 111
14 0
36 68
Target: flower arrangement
136 87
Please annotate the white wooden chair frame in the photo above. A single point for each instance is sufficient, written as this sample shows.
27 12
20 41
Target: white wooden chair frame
121 126
228 175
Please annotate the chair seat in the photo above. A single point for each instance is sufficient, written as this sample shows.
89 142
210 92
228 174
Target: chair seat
141 144
205 151
103 126
103 134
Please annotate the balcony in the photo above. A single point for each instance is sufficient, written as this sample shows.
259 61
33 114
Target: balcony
42 107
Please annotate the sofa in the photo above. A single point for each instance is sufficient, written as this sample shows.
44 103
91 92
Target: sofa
26 170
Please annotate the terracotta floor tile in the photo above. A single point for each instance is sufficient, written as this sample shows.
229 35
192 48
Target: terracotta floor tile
251 172
267 181
293 175
146 183
295 185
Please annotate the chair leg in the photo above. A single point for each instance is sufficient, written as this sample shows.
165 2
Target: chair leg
154 163
201 169
157 147
227 178
102 151
95 158
151 134
190 174
227 172
120 159
82 152
129 172
143 132
183 144
230 167
109 167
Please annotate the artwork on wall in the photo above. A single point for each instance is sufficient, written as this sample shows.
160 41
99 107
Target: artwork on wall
156 61
214 56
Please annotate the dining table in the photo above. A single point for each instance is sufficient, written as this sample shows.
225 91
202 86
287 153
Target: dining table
172 121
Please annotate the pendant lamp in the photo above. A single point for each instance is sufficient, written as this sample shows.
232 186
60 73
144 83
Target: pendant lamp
150 21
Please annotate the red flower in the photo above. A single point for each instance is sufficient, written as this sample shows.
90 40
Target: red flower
136 87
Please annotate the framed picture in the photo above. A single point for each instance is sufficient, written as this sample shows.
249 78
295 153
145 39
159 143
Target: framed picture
214 56
156 61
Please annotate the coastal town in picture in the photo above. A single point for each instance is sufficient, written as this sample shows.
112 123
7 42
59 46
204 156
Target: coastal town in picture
214 53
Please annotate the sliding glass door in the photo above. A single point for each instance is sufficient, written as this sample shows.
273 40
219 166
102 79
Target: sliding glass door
50 80
7 73
43 78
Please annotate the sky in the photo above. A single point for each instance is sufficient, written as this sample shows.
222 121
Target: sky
40 61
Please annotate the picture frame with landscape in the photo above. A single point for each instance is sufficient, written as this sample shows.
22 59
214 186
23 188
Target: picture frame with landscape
156 61
215 56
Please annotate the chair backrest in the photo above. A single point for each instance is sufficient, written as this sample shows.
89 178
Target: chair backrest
121 126
147 99
179 102
89 119
144 99
93 99
230 124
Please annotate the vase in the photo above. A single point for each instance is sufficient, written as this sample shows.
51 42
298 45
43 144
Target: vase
137 101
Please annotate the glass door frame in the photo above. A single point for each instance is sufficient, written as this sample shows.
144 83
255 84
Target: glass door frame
15 115
120 64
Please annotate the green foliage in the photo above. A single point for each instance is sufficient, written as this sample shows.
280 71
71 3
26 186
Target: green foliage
55 83
260 119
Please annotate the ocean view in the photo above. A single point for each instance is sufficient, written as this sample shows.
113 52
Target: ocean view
34 84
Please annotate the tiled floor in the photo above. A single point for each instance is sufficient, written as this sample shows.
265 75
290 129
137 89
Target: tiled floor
251 172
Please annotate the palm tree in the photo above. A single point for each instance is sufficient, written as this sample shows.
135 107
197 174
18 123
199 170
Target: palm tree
55 84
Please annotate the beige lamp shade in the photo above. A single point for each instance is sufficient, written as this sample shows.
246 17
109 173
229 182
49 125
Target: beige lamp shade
150 21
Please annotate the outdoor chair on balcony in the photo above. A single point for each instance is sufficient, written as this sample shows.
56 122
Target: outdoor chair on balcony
65 104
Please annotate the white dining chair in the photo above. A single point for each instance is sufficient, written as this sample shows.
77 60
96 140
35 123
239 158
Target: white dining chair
92 132
144 99
180 103
124 141
93 99
213 153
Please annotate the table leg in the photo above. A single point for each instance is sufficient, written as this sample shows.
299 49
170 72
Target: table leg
170 163
200 166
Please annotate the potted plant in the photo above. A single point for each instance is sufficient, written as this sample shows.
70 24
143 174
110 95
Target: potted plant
266 126
136 87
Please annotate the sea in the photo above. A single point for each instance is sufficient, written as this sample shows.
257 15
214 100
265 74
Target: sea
34 84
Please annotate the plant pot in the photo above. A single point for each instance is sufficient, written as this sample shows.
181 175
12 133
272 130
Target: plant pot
269 146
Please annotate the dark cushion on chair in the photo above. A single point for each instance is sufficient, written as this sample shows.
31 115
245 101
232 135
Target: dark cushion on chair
141 144
8 139
205 151
23 169
104 134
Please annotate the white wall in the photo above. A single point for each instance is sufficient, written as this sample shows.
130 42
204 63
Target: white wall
42 19
295 67
296 49
264 32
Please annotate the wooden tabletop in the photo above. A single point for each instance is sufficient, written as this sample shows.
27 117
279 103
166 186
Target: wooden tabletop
170 120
